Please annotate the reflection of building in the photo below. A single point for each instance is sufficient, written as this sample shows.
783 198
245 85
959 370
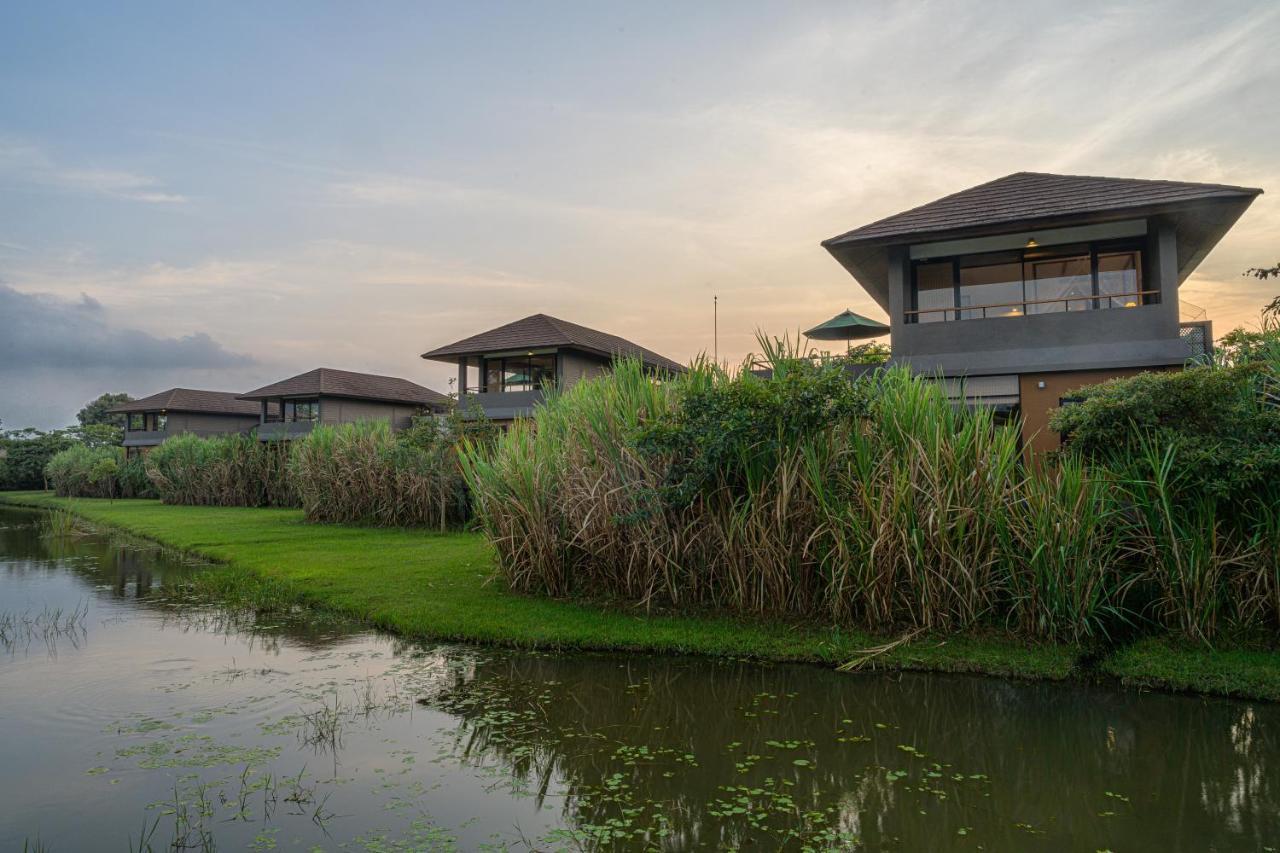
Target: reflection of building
1032 285
292 407
153 419
505 370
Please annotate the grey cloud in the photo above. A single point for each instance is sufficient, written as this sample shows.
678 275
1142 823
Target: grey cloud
44 331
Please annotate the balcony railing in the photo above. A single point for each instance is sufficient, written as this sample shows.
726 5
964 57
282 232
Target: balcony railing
502 405
284 430
1019 309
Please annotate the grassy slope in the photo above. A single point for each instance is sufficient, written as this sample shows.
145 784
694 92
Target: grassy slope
438 586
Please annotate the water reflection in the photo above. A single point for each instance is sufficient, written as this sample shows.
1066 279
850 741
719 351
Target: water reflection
913 762
305 731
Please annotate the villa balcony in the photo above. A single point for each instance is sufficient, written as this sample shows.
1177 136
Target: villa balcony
145 438
284 430
502 405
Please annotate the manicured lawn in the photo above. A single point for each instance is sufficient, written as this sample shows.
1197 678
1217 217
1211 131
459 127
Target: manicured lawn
441 586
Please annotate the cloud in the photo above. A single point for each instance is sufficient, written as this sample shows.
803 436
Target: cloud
43 331
23 163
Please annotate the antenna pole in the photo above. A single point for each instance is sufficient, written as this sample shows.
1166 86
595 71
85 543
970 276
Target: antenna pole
715 327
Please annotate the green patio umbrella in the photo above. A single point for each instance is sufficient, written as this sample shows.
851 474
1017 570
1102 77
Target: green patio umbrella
847 326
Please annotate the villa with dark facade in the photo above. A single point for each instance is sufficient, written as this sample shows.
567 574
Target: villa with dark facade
506 370
292 407
151 420
1017 291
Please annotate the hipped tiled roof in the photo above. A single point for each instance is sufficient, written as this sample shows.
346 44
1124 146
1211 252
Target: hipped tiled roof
1030 196
541 330
191 400
326 381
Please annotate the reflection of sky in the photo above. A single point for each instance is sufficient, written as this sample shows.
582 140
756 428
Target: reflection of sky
354 188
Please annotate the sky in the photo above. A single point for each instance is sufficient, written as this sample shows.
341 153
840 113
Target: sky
220 195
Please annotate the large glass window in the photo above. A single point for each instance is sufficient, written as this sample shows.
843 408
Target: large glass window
493 375
993 282
137 421
301 410
1054 281
1120 279
520 373
1034 280
935 288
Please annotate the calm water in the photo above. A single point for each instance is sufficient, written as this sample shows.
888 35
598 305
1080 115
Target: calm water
142 716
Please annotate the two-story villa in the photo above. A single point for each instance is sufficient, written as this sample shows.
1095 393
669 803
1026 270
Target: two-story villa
506 370
292 407
151 420
1024 288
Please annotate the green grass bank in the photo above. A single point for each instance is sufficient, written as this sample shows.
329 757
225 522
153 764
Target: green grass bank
438 586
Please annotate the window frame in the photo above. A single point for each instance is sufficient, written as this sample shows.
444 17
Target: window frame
289 411
955 312
498 368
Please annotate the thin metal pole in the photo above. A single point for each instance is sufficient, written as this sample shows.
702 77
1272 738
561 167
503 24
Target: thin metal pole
715 326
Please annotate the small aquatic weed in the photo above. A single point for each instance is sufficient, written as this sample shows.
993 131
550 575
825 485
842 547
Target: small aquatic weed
50 625
195 751
322 727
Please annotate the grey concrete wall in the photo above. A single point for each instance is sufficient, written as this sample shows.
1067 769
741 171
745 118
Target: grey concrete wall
576 366
201 423
1077 340
340 410
208 424
505 405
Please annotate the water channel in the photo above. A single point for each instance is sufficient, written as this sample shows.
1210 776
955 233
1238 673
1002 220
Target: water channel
133 717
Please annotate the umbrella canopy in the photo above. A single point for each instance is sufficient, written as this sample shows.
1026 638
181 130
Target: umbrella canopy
847 326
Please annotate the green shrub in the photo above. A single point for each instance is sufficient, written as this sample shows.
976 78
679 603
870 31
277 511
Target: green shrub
25 453
1225 439
226 470
86 472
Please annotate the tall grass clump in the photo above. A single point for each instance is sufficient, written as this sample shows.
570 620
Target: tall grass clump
226 470
1195 454
875 502
567 497
363 473
1071 554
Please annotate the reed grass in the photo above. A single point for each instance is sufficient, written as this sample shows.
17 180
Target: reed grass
364 474
884 507
227 470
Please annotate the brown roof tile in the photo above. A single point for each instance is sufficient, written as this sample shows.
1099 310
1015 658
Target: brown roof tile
1034 196
542 330
191 400
326 381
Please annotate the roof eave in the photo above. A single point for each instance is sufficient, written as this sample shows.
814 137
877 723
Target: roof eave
1244 196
